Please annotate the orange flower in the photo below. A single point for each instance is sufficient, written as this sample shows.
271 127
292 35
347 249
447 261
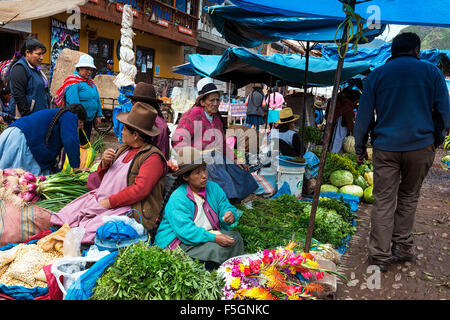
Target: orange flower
257 293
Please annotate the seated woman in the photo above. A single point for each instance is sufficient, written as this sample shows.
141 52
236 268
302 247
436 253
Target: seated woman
202 127
198 215
34 142
131 178
288 139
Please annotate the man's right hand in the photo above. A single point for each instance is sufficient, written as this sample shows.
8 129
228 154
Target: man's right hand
361 157
223 240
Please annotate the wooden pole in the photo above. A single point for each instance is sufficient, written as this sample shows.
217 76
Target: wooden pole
305 90
326 139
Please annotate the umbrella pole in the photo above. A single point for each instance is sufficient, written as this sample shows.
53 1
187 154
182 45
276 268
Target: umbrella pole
305 87
326 140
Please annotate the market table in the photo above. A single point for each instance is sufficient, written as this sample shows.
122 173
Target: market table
234 110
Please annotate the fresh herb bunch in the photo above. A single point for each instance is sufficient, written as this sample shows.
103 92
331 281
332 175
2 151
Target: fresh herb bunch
312 134
273 222
144 272
329 227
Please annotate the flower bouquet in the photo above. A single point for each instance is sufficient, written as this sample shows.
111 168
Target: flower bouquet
278 274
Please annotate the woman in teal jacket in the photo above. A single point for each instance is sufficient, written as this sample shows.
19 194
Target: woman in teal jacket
79 88
198 216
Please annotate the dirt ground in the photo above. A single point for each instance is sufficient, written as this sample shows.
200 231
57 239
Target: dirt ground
426 279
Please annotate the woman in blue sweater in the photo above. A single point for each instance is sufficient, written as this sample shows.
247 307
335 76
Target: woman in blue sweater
80 88
34 142
198 215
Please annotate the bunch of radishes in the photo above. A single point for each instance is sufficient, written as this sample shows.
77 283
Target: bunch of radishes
19 186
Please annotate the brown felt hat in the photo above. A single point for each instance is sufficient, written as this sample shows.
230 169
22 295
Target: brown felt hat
188 159
142 118
144 92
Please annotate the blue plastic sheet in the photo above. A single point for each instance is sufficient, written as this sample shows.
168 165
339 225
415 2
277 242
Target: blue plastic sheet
378 56
251 29
404 12
82 288
241 66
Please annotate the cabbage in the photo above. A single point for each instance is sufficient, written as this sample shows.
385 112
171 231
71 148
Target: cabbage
328 188
368 176
349 144
359 181
352 189
368 196
341 178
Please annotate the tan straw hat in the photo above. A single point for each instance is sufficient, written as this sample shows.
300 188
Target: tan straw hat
287 116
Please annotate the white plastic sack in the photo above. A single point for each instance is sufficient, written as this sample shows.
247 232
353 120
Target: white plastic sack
126 42
72 268
126 54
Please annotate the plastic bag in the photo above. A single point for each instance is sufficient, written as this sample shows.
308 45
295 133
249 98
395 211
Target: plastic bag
72 242
71 268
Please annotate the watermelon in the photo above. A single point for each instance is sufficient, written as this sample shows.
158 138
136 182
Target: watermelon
368 196
352 189
340 178
328 188
359 181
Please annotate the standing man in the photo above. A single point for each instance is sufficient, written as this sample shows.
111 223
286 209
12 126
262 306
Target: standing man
412 108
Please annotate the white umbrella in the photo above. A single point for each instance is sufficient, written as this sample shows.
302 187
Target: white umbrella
21 10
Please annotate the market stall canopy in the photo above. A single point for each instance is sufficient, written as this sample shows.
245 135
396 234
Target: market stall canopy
378 56
251 29
403 12
241 67
199 64
20 10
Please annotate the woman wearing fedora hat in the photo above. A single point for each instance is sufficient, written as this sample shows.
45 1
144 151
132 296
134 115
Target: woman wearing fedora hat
289 141
80 88
130 178
145 92
198 215
202 127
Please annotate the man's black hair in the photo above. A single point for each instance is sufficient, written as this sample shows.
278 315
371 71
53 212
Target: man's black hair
404 43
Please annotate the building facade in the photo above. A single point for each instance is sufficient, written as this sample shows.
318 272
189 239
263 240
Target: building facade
162 29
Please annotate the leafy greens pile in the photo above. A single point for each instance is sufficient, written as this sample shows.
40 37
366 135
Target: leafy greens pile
144 272
273 222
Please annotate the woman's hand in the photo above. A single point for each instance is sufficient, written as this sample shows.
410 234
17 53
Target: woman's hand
228 217
223 240
243 166
108 157
105 203
78 170
98 120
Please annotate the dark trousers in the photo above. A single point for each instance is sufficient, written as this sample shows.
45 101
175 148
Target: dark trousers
87 127
397 181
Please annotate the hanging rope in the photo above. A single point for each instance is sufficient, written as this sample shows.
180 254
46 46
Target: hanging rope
349 33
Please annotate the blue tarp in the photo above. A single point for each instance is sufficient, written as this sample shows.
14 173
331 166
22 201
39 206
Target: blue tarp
378 56
403 12
250 29
242 67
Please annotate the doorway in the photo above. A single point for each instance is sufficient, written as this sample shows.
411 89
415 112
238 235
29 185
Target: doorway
145 64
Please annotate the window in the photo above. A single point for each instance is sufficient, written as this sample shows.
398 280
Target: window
101 50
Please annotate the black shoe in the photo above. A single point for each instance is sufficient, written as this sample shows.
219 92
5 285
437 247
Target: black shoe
382 264
403 252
